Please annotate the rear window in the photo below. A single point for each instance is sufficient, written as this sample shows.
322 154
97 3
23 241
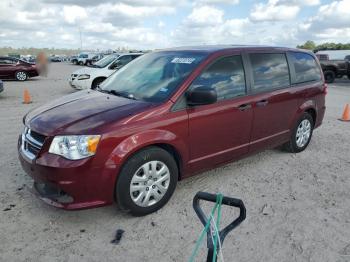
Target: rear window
270 71
305 68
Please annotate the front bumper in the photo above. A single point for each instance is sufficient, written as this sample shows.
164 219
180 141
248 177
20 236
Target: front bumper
67 184
79 84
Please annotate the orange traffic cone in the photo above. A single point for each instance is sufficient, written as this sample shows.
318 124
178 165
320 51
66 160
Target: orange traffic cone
26 97
346 113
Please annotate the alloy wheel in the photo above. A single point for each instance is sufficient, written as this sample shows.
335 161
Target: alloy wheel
21 76
303 133
149 183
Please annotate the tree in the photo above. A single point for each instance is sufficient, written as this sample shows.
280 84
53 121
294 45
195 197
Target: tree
308 45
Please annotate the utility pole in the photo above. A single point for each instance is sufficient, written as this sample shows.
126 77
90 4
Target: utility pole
81 40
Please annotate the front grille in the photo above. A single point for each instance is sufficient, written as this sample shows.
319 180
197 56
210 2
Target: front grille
38 137
32 142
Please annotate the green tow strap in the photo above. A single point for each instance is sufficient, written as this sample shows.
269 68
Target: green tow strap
206 228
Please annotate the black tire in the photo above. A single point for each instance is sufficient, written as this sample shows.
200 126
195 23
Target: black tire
96 82
329 76
21 76
130 168
81 63
349 76
291 145
75 62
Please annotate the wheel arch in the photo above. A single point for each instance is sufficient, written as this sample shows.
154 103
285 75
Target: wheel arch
308 106
330 68
313 113
159 138
98 78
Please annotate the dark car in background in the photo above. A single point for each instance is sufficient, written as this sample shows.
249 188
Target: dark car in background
74 59
1 86
334 68
55 59
13 68
168 115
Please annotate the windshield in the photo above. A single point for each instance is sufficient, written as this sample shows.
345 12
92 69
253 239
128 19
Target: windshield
153 77
105 61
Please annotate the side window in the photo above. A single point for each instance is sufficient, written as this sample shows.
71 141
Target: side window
120 62
270 71
134 56
305 68
226 76
124 60
7 61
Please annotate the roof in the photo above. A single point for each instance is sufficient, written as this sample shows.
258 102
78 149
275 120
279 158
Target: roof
216 48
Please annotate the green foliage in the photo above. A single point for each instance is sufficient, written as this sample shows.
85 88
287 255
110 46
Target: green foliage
308 45
325 46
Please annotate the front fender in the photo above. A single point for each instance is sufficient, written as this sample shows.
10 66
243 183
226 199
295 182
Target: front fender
140 140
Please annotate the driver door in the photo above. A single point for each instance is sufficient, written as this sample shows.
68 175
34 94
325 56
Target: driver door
220 132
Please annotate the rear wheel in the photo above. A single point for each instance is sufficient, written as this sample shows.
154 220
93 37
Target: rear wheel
146 181
301 134
329 76
81 63
21 76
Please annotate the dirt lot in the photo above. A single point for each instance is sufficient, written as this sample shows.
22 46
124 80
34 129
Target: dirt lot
307 197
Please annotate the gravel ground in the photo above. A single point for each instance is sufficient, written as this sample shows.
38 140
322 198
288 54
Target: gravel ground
298 205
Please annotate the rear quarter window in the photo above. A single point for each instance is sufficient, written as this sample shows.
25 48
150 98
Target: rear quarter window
305 68
270 71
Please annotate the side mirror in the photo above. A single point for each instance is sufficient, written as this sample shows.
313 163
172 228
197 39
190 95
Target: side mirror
201 95
116 65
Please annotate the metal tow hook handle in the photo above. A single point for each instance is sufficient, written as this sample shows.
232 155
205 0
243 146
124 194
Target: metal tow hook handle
234 202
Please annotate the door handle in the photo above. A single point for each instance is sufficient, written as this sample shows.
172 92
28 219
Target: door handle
245 107
262 102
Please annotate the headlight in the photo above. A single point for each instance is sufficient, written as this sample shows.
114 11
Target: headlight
74 147
82 77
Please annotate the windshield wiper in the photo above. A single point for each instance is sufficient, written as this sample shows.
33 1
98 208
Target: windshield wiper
122 94
116 93
98 88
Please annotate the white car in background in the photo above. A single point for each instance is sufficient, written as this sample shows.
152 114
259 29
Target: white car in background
92 76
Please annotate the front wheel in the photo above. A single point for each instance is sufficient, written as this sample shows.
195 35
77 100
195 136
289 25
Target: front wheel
21 76
146 181
301 134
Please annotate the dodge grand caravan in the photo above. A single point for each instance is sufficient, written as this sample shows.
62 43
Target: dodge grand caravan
165 116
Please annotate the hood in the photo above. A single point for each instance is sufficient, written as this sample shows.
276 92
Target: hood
81 113
85 70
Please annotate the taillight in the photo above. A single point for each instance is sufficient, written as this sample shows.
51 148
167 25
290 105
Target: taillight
325 88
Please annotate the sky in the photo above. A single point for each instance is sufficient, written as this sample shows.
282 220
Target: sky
150 24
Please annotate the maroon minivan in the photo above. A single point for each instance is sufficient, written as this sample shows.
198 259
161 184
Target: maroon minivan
165 116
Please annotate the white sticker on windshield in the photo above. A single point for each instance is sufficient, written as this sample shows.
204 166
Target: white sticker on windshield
183 60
